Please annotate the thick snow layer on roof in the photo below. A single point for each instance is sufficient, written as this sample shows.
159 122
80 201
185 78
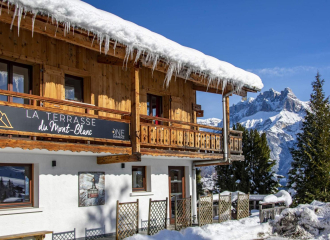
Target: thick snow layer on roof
181 60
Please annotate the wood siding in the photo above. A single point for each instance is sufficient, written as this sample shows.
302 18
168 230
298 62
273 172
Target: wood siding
104 85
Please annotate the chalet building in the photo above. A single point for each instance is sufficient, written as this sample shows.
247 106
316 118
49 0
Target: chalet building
95 109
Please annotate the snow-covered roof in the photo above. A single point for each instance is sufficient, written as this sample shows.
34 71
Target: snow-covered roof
182 61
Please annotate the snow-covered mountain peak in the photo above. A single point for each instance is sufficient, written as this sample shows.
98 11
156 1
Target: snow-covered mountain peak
279 114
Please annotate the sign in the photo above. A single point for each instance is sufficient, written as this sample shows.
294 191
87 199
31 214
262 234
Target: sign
29 120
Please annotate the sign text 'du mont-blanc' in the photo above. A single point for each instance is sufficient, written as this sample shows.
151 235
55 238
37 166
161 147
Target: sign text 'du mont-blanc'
29 120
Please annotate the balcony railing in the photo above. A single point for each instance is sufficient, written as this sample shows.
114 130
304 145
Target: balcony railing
166 135
174 134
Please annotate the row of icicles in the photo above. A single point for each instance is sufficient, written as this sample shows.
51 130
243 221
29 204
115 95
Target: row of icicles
147 58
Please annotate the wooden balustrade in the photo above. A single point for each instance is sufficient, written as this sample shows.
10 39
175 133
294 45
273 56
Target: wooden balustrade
186 136
171 134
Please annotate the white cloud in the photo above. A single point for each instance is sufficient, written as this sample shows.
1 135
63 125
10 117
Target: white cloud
283 71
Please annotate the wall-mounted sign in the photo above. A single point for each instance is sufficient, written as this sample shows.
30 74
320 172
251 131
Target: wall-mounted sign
29 120
91 189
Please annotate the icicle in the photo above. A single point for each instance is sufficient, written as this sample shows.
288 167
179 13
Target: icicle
138 54
12 21
114 47
93 40
8 7
1 9
73 30
33 21
56 28
169 74
106 45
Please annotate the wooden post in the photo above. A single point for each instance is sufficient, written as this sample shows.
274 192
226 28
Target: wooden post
166 213
190 211
117 217
219 208
260 213
149 216
237 210
137 218
273 211
176 213
230 206
228 125
135 109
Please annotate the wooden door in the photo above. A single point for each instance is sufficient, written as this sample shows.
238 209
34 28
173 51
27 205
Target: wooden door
176 188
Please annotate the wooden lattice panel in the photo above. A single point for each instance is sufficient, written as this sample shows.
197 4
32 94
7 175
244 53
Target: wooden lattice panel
202 140
243 205
127 219
213 142
205 210
65 235
224 208
95 233
157 220
182 213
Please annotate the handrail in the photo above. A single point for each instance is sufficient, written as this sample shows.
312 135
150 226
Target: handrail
179 122
61 102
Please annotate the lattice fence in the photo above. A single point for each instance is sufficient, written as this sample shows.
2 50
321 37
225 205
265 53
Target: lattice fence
205 210
157 216
243 205
269 213
71 235
127 222
182 213
94 233
224 208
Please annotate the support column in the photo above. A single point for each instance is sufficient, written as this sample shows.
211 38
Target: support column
194 194
135 108
228 125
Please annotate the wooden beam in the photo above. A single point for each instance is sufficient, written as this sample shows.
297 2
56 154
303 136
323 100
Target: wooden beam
56 146
206 89
135 157
107 59
180 154
135 108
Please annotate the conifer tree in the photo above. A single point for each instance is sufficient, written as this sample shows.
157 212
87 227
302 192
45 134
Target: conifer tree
309 175
253 175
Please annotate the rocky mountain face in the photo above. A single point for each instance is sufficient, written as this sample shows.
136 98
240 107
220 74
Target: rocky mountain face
279 114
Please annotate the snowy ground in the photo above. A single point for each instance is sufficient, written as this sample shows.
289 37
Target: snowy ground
309 221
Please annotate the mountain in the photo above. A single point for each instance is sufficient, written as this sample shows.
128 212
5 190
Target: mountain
279 114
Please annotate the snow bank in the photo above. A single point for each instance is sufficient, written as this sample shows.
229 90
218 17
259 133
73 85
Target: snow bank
244 229
307 221
152 47
281 196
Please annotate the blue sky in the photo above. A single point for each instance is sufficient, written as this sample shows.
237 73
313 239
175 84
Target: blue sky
284 42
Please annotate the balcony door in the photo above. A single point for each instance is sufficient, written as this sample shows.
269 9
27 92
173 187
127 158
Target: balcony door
176 187
155 106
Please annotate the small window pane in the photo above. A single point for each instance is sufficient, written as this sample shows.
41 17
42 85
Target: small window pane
74 88
15 184
21 83
3 79
138 177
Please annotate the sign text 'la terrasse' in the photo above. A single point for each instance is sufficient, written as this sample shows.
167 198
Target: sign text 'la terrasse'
20 119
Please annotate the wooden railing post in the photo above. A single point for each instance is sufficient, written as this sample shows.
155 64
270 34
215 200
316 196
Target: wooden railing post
135 109
228 126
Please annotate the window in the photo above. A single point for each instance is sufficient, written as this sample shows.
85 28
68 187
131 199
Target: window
74 88
154 106
15 77
139 178
16 185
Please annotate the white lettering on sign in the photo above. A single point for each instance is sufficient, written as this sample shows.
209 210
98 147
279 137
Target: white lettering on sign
34 115
118 133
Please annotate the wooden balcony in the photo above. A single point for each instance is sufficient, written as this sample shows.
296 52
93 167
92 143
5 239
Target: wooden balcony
167 137
183 136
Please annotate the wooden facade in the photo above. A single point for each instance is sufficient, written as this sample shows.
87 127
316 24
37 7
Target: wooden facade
112 90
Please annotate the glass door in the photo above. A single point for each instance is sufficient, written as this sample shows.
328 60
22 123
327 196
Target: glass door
176 187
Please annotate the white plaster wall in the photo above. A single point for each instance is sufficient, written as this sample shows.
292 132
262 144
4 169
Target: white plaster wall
56 192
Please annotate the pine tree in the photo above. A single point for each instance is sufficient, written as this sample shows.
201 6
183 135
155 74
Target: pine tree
309 175
253 175
199 184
